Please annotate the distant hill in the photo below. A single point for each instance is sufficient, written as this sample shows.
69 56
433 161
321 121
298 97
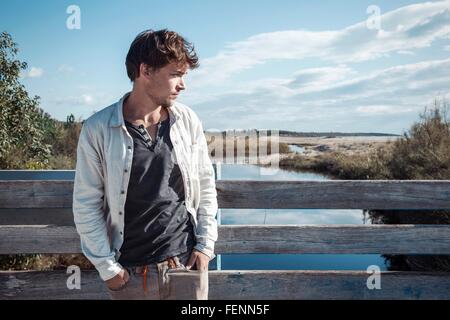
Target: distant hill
285 133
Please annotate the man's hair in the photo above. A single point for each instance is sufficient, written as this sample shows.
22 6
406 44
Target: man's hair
157 49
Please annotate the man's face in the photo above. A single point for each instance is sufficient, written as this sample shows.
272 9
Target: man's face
164 85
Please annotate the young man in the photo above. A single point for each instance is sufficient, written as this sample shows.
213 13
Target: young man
144 199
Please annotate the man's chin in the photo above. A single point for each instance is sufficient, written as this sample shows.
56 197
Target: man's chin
168 103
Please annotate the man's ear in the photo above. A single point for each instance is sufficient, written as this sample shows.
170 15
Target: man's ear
145 71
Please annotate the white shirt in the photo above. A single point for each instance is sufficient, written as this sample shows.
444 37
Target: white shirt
104 158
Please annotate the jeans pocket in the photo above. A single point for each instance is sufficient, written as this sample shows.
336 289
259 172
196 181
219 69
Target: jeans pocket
187 285
180 268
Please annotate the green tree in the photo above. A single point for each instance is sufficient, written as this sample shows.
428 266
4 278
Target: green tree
22 122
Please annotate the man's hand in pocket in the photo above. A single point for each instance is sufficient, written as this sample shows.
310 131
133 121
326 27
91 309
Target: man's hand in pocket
119 280
199 260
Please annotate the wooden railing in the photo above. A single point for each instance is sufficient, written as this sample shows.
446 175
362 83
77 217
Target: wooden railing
36 217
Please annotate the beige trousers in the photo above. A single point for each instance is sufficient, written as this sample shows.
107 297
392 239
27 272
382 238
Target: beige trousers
166 280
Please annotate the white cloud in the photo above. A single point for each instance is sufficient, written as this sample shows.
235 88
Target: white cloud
370 110
305 80
383 100
81 100
87 99
406 52
34 72
421 24
447 48
313 79
64 68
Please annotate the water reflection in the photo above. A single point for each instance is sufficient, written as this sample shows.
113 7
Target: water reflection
295 148
290 216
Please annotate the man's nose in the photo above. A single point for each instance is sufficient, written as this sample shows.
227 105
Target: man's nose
181 85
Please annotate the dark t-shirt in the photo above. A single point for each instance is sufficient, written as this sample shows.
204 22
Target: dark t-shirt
157 223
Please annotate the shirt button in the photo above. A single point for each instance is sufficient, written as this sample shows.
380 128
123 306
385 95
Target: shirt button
121 233
126 170
120 212
129 147
122 192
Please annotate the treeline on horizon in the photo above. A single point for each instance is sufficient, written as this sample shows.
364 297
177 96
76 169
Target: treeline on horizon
332 134
287 133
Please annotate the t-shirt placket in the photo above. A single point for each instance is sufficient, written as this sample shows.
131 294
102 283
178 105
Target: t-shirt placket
147 138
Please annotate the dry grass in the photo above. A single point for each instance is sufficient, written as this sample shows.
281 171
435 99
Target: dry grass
41 262
422 153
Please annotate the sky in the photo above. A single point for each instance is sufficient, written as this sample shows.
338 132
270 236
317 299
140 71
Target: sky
353 66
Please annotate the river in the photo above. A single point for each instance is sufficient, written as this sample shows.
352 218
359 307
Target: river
289 216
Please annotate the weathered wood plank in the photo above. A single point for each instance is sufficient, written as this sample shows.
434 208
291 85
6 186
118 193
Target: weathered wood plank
36 216
244 285
36 194
334 194
39 239
52 174
386 239
364 239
